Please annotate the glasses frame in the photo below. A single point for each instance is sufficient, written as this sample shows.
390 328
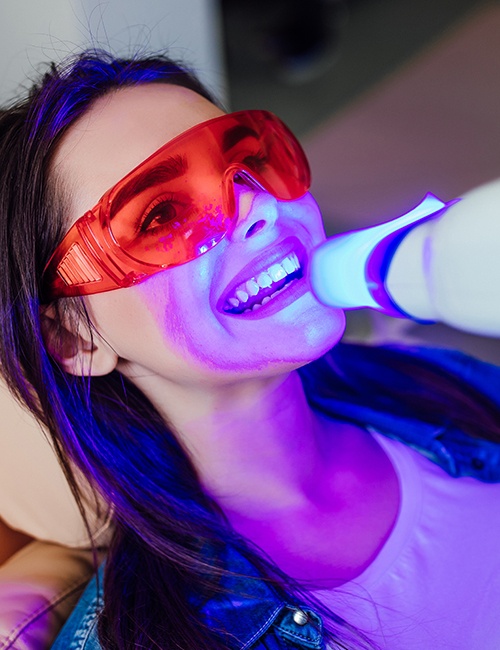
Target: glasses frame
90 260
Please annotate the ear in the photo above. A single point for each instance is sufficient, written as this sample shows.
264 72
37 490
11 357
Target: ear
74 347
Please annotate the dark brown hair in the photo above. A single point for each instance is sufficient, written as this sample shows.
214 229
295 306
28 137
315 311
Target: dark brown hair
170 538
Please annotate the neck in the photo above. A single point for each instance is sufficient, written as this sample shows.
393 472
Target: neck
318 496
248 440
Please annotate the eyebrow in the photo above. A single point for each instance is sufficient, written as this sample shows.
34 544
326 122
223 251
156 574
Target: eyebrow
235 134
165 171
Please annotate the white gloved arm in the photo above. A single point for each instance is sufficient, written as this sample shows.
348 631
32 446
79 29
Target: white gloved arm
448 268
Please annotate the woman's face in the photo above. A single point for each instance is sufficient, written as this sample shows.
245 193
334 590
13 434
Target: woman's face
176 324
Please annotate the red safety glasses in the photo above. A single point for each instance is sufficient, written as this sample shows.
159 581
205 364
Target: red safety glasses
177 204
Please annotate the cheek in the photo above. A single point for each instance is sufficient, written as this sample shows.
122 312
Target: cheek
163 304
127 318
178 306
306 212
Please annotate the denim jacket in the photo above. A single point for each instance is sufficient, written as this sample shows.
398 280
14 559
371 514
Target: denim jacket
262 621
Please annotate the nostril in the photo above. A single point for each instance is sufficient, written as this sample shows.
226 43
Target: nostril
254 228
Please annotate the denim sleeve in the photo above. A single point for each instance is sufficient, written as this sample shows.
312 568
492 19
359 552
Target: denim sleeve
80 630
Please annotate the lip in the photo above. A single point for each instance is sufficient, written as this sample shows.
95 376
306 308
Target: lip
261 263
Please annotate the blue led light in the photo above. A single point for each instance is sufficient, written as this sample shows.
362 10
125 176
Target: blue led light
338 269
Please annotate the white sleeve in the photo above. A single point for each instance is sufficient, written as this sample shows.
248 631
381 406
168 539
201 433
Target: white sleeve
448 269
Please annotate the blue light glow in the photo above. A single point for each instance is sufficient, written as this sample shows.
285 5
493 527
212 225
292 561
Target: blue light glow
338 269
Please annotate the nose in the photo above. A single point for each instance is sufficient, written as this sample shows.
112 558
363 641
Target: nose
256 211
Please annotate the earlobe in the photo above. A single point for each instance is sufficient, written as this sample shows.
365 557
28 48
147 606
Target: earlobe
74 347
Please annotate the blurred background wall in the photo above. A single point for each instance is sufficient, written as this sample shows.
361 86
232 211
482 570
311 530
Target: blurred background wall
35 31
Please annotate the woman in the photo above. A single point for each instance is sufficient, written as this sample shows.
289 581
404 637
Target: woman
247 499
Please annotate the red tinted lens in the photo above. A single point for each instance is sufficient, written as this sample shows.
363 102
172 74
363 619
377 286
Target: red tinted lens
281 164
178 204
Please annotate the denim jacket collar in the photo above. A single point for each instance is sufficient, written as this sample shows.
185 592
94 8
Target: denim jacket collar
250 606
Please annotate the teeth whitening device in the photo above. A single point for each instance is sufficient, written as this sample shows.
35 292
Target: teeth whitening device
438 262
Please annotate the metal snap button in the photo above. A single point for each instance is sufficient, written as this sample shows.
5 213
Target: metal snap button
300 617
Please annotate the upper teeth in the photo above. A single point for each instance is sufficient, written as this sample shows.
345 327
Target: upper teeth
263 280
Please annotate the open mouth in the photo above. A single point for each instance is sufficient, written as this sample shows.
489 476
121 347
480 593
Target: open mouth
257 291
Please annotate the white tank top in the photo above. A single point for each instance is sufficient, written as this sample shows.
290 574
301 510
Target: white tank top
435 585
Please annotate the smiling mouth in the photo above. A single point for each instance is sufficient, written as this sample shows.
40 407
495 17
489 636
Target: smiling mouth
262 288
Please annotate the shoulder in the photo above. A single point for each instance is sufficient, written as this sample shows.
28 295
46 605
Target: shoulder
361 358
381 387
483 376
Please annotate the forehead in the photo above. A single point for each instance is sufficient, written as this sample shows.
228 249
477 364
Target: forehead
118 132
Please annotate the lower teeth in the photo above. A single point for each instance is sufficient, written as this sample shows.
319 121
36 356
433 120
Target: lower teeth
266 299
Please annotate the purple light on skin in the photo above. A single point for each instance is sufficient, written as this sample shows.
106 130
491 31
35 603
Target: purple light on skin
348 270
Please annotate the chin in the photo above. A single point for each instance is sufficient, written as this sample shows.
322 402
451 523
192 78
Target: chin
313 335
321 327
